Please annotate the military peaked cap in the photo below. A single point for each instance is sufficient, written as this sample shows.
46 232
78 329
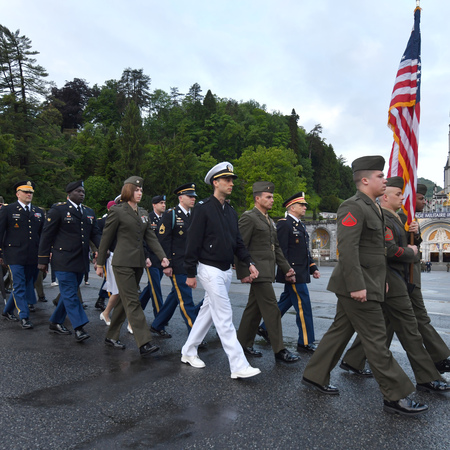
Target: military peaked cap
223 169
299 197
24 186
186 189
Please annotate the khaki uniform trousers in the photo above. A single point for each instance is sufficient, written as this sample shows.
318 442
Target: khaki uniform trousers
262 302
367 320
128 306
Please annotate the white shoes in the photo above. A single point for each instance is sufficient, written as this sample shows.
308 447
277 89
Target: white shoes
194 361
102 317
55 283
129 328
248 372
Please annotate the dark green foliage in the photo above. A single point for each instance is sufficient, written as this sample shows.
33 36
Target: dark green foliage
106 133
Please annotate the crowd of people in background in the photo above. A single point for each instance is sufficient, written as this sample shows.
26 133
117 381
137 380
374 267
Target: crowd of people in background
203 243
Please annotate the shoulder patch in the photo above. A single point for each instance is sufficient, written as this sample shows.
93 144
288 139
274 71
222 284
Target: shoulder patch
349 220
388 235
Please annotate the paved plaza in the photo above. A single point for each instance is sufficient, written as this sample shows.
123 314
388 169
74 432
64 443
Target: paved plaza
56 393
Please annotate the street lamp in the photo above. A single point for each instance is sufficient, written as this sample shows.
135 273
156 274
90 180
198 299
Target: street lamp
318 251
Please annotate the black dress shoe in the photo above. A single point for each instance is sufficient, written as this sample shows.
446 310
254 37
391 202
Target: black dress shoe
310 348
114 343
328 389
55 302
26 324
252 352
9 316
161 333
147 349
433 386
31 308
58 328
100 304
366 373
42 299
286 356
443 366
264 334
81 335
405 407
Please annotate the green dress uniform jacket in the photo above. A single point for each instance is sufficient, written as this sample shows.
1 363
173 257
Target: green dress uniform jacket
260 237
362 251
362 265
131 230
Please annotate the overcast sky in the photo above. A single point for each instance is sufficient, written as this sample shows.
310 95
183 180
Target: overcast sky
333 61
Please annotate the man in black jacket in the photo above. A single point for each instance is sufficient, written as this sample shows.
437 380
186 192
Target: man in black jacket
20 230
66 234
213 240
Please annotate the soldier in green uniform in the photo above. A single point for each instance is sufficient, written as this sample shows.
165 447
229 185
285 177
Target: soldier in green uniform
359 282
129 224
260 237
410 308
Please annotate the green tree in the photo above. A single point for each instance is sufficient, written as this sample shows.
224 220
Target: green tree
135 85
278 165
21 76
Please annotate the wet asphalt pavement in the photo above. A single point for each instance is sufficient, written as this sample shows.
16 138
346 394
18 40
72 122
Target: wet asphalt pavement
56 393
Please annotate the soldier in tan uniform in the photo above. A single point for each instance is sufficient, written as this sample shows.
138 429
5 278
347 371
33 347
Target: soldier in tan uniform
260 237
129 224
359 281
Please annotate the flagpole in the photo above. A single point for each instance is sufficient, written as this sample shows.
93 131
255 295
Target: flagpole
417 3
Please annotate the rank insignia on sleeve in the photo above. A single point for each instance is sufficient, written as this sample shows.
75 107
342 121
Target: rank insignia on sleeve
349 220
162 229
388 235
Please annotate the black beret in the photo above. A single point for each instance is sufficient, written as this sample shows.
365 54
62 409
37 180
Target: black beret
24 186
72 186
186 189
158 198
397 182
368 163
422 189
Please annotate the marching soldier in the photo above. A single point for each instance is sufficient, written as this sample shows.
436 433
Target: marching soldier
294 242
21 225
260 237
69 227
172 232
129 224
359 281
213 240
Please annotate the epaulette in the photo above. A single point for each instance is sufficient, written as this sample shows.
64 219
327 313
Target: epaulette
283 218
59 204
205 200
170 209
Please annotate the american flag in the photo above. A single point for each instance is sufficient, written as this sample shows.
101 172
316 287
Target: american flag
404 119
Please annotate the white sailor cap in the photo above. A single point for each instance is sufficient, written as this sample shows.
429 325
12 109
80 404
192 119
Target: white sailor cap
223 169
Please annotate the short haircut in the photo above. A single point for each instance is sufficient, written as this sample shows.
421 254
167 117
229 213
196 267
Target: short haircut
128 191
256 194
360 174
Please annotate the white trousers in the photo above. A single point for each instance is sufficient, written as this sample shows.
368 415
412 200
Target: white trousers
216 309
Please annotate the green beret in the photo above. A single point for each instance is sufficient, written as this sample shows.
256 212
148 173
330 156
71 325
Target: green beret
397 182
263 186
368 163
137 181
422 189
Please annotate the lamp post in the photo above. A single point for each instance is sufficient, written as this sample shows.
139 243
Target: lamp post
318 251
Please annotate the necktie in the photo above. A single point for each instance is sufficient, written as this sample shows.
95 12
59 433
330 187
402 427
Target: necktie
188 215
